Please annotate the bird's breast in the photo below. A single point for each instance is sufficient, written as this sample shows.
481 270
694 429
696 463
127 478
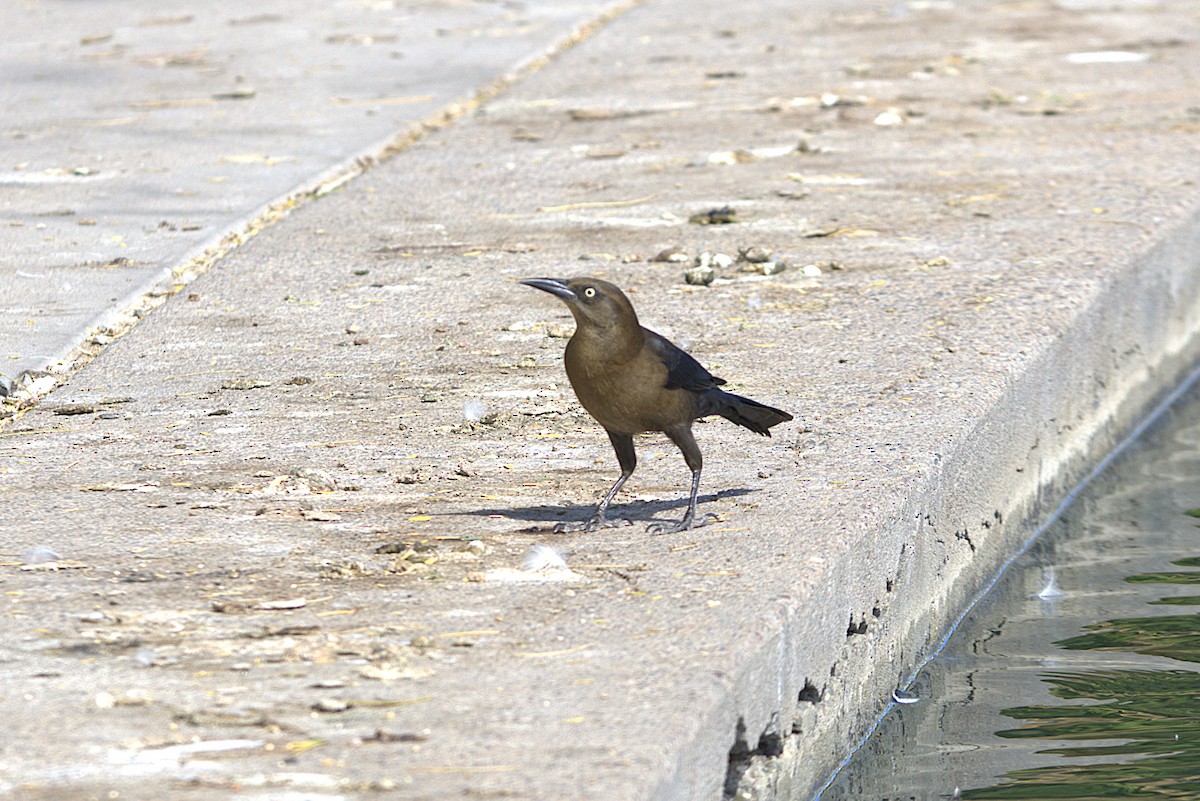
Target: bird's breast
629 396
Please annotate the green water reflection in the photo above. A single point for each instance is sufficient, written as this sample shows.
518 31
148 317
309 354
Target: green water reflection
1149 717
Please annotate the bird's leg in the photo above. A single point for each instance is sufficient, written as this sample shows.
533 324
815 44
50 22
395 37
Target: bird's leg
598 520
627 457
689 520
682 437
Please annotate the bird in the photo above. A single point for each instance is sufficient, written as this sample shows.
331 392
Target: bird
633 380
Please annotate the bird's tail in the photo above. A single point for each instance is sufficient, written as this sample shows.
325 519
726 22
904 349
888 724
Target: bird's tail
758 417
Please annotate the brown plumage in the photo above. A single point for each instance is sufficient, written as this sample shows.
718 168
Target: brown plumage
633 380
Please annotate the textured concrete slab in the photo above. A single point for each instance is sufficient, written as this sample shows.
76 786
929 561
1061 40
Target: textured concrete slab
287 561
139 138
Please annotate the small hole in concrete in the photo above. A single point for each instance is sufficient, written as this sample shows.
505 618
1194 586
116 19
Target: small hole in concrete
810 694
770 744
739 759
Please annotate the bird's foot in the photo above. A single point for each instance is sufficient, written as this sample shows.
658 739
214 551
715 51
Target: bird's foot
675 526
591 524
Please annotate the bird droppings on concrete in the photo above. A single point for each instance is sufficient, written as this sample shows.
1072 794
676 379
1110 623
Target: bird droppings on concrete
700 275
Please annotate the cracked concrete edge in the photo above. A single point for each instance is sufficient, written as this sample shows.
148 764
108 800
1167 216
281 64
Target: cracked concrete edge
1131 347
33 383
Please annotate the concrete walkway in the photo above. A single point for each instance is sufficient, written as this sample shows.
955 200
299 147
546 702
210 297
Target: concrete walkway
141 143
274 540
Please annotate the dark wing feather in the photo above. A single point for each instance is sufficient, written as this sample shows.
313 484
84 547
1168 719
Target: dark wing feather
683 372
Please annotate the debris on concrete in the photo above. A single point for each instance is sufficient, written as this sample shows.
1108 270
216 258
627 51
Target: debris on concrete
722 215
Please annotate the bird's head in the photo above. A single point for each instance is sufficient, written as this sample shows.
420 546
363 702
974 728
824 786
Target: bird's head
595 304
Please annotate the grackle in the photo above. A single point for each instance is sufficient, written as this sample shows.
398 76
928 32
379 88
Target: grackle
633 380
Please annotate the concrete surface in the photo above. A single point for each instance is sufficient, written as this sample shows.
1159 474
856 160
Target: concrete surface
1007 240
142 142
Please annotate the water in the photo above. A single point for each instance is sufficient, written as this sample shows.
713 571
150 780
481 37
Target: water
1076 677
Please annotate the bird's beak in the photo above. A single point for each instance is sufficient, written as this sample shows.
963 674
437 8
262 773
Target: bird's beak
555 286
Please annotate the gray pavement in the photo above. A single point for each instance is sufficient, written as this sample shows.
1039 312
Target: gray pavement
256 545
142 141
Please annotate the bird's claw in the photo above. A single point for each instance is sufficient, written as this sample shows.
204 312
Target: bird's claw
591 525
675 526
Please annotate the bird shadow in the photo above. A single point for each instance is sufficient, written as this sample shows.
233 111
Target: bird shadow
636 511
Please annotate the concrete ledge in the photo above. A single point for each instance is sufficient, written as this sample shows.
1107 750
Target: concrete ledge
1133 343
1016 282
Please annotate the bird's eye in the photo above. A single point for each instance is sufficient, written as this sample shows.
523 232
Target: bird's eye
590 292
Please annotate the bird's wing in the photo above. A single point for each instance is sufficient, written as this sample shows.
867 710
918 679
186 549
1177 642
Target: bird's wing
683 372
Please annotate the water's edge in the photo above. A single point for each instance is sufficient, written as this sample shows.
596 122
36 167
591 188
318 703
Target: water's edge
1073 675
